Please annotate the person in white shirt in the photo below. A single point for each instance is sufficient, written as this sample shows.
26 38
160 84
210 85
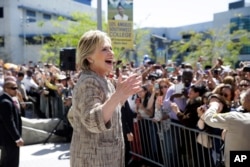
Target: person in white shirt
120 15
32 89
29 82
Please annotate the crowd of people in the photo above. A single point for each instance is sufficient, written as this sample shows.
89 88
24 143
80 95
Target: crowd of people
102 98
30 91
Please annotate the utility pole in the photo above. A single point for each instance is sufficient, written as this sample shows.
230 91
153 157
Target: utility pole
99 15
24 21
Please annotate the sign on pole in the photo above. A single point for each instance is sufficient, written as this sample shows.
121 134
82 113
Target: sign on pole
120 23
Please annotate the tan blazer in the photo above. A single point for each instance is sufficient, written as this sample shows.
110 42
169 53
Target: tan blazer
94 143
236 124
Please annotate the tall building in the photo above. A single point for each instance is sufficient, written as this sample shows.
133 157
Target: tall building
238 13
20 23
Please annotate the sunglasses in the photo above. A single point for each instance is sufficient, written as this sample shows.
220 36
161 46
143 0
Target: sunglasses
13 88
161 87
244 85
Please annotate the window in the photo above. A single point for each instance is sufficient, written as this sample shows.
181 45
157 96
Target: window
1 12
245 50
240 23
31 16
46 16
1 41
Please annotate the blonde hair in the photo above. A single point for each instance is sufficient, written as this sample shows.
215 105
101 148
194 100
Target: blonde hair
87 45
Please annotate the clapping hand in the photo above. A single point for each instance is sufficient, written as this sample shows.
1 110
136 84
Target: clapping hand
129 86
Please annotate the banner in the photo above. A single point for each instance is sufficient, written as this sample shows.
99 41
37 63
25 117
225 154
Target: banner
120 23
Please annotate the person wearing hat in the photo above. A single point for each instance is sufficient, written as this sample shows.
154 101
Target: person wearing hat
10 125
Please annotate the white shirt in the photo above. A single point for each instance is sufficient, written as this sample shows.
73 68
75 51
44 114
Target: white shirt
131 102
1 85
119 17
29 83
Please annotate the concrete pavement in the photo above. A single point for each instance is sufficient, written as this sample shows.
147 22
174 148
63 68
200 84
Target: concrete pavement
49 155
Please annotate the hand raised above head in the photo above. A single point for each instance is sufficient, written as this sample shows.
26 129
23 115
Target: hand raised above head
216 102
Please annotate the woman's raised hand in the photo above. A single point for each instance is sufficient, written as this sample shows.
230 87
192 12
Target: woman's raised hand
128 86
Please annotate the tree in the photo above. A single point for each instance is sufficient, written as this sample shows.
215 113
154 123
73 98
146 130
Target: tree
72 31
141 43
81 24
211 44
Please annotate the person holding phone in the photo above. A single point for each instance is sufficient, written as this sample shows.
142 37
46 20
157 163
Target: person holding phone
162 86
178 97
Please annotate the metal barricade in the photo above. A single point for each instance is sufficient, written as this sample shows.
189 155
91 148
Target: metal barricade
29 111
174 145
146 145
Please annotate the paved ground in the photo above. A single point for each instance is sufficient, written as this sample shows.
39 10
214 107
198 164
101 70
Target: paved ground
51 155
41 155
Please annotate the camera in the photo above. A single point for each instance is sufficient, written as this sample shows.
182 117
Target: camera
246 69
216 71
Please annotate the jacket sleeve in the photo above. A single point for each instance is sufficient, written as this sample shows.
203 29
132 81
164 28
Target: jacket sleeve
215 119
7 116
89 99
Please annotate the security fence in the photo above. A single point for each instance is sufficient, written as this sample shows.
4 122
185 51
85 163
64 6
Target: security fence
170 144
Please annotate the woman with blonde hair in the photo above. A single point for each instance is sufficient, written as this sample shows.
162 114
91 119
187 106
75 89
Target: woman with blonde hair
95 113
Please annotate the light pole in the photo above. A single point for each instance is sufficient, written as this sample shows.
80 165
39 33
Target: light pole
24 22
99 15
162 40
166 42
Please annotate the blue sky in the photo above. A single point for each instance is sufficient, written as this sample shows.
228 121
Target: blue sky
173 13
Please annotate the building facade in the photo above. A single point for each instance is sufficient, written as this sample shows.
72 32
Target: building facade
19 20
238 13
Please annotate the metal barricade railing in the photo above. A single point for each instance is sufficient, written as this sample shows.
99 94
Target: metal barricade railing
52 106
146 145
29 111
170 144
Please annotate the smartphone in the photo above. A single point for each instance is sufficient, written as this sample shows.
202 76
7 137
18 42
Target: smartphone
246 69
157 66
118 62
198 65
156 86
179 87
170 69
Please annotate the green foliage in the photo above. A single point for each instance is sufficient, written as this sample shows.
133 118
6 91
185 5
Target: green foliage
211 45
73 30
142 43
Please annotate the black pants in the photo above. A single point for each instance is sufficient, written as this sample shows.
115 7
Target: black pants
10 156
